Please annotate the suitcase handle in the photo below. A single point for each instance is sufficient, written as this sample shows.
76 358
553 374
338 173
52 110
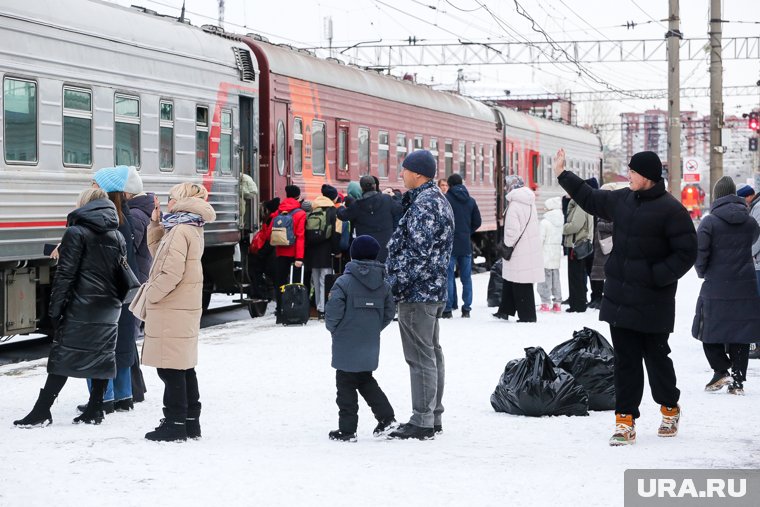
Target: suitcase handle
292 280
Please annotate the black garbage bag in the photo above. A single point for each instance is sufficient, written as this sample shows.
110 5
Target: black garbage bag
590 358
494 285
535 387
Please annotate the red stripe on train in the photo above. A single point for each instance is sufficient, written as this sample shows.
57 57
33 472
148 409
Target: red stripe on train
13 225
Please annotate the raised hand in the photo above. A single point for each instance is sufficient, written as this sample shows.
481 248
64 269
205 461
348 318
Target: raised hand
559 162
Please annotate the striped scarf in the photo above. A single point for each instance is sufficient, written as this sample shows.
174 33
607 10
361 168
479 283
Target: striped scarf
171 220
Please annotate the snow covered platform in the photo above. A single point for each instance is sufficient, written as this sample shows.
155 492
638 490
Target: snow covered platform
268 395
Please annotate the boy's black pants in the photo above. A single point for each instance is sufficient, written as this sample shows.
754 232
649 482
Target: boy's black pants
348 383
631 348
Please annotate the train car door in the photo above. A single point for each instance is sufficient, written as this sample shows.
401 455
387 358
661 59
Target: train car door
342 166
280 163
534 168
248 156
501 172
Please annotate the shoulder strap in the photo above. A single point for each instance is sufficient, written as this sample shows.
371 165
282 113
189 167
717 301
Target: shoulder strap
525 228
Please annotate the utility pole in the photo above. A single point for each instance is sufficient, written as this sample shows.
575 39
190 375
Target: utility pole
674 37
716 94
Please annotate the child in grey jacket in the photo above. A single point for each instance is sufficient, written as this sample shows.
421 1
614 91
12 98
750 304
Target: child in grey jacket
360 305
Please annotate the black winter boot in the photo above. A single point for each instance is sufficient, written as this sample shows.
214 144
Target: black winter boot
169 431
108 407
40 414
193 423
93 413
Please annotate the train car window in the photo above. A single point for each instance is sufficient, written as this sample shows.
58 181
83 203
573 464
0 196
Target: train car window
20 120
462 159
417 143
280 147
126 148
225 142
482 163
535 173
382 154
448 157
364 151
318 147
166 135
400 152
201 139
473 162
77 127
343 148
490 164
298 146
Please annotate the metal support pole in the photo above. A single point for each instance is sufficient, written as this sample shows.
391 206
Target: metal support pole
674 37
716 94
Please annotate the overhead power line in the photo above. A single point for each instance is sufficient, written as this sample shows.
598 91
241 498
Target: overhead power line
652 93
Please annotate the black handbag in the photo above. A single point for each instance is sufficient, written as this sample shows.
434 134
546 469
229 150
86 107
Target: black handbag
504 251
126 282
583 248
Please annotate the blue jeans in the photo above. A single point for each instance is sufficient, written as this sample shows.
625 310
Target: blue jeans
464 263
119 388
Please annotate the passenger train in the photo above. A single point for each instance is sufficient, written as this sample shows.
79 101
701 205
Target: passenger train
88 84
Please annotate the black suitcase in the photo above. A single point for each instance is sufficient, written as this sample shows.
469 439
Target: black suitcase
295 301
330 279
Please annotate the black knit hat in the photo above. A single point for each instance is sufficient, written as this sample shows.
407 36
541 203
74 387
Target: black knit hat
367 183
292 191
723 187
454 180
329 191
272 205
647 164
365 248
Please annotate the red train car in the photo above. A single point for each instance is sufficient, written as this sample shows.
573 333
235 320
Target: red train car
325 122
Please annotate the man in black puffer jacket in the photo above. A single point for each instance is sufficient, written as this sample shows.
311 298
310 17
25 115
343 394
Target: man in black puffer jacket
654 244
375 215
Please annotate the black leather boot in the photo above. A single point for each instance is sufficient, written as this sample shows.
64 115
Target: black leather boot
40 414
93 413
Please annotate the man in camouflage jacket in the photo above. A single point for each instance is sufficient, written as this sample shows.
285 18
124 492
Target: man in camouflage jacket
418 259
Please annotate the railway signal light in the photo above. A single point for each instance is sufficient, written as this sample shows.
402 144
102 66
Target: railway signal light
753 144
754 121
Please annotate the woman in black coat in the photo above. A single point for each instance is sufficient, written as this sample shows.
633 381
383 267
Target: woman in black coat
728 309
84 307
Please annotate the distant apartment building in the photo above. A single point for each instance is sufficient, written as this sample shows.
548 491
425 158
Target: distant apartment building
647 131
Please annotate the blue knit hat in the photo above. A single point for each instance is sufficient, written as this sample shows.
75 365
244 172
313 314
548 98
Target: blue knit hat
112 179
745 190
420 162
365 248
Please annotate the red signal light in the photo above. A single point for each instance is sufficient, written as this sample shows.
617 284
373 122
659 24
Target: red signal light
754 121
689 190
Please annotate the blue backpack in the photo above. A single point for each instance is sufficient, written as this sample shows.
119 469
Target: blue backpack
282 229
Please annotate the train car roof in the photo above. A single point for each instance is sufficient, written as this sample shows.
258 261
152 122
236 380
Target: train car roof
302 65
129 25
517 119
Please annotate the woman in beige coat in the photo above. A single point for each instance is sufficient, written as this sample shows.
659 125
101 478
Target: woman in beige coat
173 308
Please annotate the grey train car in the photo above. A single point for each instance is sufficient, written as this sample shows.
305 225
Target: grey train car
87 84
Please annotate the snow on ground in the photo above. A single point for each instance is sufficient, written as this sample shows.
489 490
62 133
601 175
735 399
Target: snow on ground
268 403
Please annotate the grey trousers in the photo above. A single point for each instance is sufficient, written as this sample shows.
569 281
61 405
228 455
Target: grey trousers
418 323
318 283
550 287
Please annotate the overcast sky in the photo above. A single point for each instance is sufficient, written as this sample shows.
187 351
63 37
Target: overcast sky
301 23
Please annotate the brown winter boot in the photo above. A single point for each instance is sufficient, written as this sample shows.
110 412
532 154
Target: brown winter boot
669 424
625 430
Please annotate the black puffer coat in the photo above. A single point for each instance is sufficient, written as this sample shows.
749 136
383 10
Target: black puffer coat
84 302
140 210
655 244
728 308
375 215
125 343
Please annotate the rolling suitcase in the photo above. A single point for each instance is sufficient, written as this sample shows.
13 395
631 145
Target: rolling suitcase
330 278
295 301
